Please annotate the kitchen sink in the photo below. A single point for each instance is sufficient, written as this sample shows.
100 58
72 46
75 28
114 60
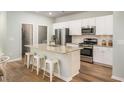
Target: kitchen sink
54 45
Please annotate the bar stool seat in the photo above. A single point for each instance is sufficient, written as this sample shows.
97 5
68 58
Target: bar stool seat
38 59
28 57
51 63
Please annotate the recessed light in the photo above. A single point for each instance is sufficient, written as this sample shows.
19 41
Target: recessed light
50 13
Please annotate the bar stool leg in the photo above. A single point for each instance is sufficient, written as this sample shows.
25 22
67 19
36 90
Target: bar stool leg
33 64
38 66
2 78
58 67
25 60
28 61
51 72
44 70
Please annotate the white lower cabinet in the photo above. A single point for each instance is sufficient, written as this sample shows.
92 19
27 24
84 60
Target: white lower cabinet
102 55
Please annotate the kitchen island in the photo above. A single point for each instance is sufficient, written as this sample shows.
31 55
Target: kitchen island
68 56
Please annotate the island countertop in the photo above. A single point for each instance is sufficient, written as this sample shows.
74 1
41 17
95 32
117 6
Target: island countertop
58 49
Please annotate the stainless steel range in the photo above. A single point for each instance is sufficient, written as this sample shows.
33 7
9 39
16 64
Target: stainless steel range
87 52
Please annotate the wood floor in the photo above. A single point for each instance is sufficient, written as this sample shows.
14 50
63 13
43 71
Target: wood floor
17 72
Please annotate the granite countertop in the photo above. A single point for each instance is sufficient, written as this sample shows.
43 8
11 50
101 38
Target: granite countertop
103 46
57 49
74 43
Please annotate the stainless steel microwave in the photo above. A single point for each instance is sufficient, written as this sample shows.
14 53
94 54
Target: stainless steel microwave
88 30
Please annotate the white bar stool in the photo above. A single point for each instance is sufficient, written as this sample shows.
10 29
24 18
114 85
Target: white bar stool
28 57
52 63
37 59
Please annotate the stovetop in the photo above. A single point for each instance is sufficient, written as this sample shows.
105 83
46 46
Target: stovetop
88 42
86 45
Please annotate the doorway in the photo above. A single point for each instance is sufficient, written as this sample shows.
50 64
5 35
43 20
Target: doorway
42 34
27 37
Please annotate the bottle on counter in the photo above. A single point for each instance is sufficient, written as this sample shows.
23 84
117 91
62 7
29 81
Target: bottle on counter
110 43
104 43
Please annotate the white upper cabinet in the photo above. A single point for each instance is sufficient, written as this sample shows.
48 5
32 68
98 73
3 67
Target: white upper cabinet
88 22
75 27
100 25
60 26
85 23
104 25
109 24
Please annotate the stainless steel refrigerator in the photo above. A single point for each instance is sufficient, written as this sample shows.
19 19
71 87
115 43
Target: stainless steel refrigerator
58 36
27 37
42 34
62 36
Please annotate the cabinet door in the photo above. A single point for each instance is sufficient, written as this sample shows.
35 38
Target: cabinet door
97 55
109 24
104 25
56 26
92 22
108 56
100 25
75 27
60 26
103 55
88 22
64 25
85 23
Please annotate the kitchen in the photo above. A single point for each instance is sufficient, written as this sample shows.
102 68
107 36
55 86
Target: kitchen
89 32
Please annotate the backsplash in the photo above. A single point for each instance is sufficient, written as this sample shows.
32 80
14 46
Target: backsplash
78 39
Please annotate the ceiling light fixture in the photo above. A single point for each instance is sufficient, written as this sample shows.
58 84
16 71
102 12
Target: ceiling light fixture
50 13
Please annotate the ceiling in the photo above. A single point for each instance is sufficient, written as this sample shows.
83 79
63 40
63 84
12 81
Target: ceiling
55 14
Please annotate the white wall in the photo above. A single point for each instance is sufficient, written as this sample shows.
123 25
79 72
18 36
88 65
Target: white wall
118 64
3 19
14 23
83 15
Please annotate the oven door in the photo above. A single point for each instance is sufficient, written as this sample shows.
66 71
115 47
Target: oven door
87 55
87 52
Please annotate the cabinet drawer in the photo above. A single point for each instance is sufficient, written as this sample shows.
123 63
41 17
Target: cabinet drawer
103 55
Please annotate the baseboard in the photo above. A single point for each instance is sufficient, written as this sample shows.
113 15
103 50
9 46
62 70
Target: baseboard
101 64
16 59
67 79
76 73
117 78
